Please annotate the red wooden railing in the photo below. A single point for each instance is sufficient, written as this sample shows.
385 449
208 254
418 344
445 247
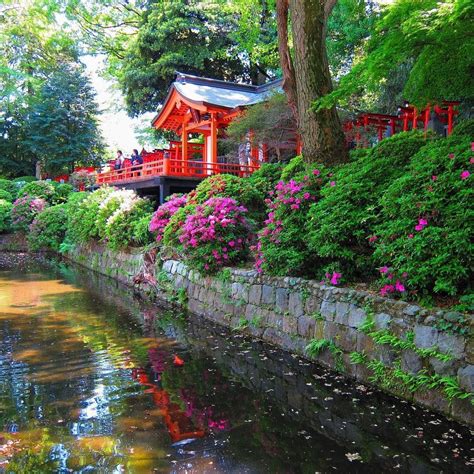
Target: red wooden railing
173 168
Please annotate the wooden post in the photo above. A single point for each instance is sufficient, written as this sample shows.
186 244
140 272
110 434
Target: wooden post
213 139
184 148
450 119
392 124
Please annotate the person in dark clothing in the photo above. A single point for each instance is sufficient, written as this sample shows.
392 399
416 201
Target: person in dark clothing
119 161
136 161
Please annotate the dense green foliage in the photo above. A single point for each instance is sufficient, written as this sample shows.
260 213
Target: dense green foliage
340 224
436 187
426 43
48 229
226 185
6 196
48 111
5 215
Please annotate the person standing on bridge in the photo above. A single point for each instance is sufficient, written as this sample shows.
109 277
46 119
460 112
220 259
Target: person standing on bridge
136 161
119 161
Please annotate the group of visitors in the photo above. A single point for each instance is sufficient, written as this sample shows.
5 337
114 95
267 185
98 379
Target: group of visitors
135 160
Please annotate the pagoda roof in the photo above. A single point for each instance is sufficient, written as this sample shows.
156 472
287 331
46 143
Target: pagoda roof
212 94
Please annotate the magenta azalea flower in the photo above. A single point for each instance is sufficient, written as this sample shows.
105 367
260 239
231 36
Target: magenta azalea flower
383 269
333 183
373 238
316 172
465 174
434 178
399 286
335 278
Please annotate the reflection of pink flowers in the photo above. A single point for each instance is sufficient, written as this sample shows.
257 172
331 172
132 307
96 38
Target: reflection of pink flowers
465 174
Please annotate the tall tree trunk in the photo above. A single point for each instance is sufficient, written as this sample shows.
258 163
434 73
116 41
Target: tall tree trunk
289 84
321 132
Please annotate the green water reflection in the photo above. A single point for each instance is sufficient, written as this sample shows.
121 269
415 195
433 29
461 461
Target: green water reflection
88 383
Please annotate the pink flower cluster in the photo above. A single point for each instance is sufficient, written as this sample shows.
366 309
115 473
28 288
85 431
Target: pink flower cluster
422 223
286 197
220 227
333 278
25 209
391 286
163 215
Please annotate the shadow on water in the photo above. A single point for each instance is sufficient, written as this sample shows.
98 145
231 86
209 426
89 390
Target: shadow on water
93 378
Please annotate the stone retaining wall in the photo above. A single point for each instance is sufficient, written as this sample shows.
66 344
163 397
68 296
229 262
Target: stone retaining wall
397 346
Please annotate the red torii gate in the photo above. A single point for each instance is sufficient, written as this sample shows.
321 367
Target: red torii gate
408 118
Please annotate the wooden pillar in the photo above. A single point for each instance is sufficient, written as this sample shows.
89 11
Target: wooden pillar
392 124
415 117
184 148
450 119
213 139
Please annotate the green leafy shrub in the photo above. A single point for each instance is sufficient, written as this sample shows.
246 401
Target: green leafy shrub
48 229
120 228
6 196
282 244
294 167
82 213
5 218
61 193
340 225
25 179
24 210
266 177
226 185
425 224
39 189
9 186
466 127
140 230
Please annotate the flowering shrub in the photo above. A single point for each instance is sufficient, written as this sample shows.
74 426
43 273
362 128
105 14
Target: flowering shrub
340 226
174 228
120 226
425 225
24 210
114 203
48 229
5 219
226 185
282 244
82 225
39 189
215 234
164 213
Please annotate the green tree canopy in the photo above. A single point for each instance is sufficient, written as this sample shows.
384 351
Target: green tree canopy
426 44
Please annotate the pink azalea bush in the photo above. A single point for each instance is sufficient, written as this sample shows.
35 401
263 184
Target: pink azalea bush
24 210
164 213
215 234
281 248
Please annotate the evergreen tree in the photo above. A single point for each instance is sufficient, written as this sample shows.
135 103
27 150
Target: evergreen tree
63 121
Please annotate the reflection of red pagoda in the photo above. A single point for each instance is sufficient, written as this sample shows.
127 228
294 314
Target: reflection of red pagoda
180 426
408 118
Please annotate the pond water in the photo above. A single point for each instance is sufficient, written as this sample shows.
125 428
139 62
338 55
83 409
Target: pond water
92 379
